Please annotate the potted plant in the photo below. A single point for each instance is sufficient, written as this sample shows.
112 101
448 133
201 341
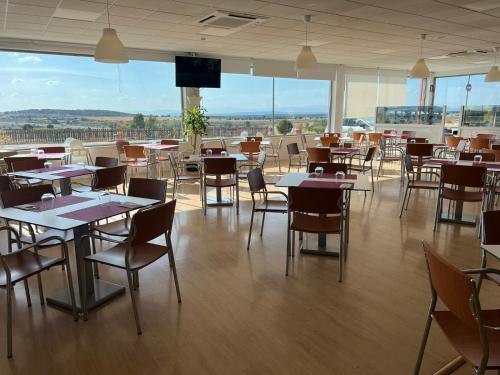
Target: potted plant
195 125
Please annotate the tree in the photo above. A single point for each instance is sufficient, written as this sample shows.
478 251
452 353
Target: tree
50 126
284 126
27 127
138 121
152 122
195 124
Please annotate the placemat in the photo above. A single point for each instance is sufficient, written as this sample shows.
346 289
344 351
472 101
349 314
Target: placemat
95 213
327 184
53 204
74 173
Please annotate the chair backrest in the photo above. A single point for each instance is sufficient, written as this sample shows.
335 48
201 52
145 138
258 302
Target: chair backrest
318 154
408 134
254 139
11 198
491 137
358 136
479 143
169 142
328 167
261 159
19 164
256 180
408 164
109 177
53 149
252 147
303 139
371 153
375 137
461 145
419 149
315 200
215 150
454 288
495 147
134 152
336 135
148 188
389 131
218 166
152 222
106 162
5 183
416 140
495 153
491 223
293 149
463 175
453 141
325 141
470 156
173 163
120 144
280 143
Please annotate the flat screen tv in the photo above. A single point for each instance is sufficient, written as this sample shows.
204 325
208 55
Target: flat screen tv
197 72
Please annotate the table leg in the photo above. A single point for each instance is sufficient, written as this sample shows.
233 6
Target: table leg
65 185
98 291
218 193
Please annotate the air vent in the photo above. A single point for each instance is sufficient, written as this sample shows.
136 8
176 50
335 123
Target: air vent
229 20
469 53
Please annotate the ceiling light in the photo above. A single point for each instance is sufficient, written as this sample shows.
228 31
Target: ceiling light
493 75
72 14
110 49
420 69
306 59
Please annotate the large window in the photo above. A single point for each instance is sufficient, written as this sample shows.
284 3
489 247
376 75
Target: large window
43 92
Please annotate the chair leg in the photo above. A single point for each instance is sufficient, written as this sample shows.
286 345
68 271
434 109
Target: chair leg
237 196
94 250
174 270
438 212
404 201
250 230
204 200
483 265
135 278
134 306
40 289
71 289
262 225
27 291
373 181
287 245
424 338
279 164
83 294
408 199
9 320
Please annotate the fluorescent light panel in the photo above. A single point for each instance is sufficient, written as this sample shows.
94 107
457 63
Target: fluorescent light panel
72 14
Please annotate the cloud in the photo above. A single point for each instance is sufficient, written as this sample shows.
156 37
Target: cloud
52 82
29 59
16 81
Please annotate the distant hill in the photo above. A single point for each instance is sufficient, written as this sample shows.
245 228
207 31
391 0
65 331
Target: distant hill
34 113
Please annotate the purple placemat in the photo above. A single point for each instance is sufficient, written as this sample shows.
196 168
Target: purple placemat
94 213
345 149
442 162
333 176
74 173
47 170
487 165
325 184
67 200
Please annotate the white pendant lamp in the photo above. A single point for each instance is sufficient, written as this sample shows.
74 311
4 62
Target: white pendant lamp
420 69
494 74
306 59
110 49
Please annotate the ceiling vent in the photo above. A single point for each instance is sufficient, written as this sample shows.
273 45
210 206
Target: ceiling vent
229 20
469 53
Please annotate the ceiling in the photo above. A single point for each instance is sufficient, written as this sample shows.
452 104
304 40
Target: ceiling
363 33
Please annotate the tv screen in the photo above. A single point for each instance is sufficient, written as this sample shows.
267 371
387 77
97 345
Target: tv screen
197 72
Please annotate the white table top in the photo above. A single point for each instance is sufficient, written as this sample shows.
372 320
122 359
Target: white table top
50 218
437 163
340 139
492 249
198 158
262 143
158 146
53 175
361 183
45 155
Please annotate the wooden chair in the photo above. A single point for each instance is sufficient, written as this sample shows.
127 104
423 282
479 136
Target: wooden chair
495 153
20 264
367 164
318 155
358 138
420 152
453 183
250 148
452 142
277 204
495 147
375 139
315 210
477 144
472 331
215 150
181 176
294 153
490 235
331 168
106 179
20 164
415 183
137 251
213 171
275 153
491 137
411 140
120 148
405 134
470 156
303 142
105 162
136 158
326 141
254 139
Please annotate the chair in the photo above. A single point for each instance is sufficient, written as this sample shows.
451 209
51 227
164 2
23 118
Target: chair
259 163
330 168
453 183
76 148
490 235
22 263
136 158
215 150
390 154
254 139
106 179
375 139
105 162
326 141
53 149
249 148
315 210
367 164
180 176
20 164
477 144
472 331
216 168
452 142
6 183
495 153
318 155
169 142
491 137
415 183
470 156
303 142
293 152
495 147
275 153
358 138
265 204
405 134
120 148
420 151
137 252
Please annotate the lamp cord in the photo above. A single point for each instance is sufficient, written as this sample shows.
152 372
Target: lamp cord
107 11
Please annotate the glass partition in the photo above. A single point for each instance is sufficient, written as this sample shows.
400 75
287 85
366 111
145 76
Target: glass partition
409 115
481 116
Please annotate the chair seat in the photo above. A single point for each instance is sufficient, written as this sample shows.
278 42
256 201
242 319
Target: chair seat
272 205
116 228
137 163
23 182
187 177
419 184
25 263
466 196
140 255
223 182
465 339
315 224
65 235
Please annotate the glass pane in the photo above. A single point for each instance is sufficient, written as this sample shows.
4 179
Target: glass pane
360 102
483 93
243 103
301 106
86 100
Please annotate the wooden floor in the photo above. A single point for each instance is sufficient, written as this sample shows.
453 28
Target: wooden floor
240 315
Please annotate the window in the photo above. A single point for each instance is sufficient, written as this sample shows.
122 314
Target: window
77 93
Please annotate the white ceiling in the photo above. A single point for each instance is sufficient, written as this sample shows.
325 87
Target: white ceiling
364 33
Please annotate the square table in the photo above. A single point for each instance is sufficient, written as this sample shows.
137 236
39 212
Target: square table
347 184
62 173
262 143
77 213
45 155
159 147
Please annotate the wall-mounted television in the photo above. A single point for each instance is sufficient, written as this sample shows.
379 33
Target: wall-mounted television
197 72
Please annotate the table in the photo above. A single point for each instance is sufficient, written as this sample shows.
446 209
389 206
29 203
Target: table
159 147
347 184
45 155
262 143
63 174
98 290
